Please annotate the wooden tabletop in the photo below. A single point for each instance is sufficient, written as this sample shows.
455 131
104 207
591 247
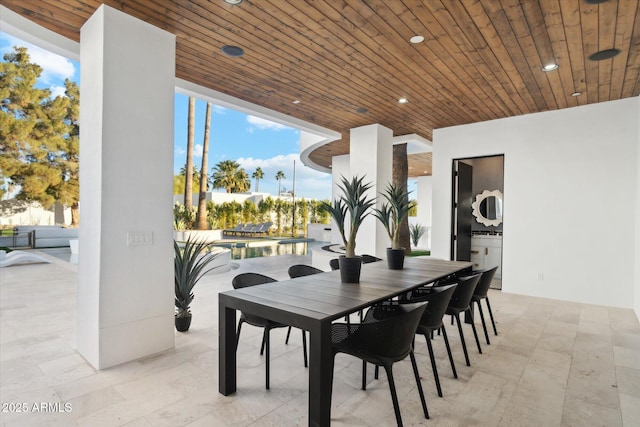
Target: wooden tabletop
323 297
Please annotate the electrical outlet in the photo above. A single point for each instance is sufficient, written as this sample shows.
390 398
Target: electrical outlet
139 238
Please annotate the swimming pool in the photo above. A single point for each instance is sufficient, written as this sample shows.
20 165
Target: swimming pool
274 248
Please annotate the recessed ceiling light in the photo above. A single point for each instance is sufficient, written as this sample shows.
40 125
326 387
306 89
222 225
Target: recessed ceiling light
403 100
233 51
362 110
550 67
595 1
233 1
576 94
604 54
416 39
296 101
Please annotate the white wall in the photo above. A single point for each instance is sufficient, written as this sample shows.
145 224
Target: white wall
570 199
125 291
424 197
371 157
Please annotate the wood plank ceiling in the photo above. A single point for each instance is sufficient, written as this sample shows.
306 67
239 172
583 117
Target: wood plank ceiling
480 59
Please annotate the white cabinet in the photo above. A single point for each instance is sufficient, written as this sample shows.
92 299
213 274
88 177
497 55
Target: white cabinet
486 252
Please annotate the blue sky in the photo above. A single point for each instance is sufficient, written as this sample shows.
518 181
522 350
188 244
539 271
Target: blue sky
249 140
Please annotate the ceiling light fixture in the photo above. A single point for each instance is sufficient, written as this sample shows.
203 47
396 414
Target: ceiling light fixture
403 100
576 94
296 101
550 67
604 54
232 51
595 1
233 1
416 39
362 110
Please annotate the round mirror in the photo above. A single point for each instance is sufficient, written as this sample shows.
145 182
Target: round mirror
487 208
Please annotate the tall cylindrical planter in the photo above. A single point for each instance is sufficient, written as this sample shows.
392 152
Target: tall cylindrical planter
395 258
350 269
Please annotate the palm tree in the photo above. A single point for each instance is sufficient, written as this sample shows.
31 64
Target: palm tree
400 175
188 182
229 175
279 177
201 217
257 175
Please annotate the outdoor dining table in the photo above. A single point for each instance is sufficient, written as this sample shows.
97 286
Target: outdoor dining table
312 303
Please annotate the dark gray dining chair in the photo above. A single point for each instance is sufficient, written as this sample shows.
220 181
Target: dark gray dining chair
438 299
384 337
481 293
461 303
245 280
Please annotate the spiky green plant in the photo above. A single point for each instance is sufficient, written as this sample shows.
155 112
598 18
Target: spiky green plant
394 211
190 263
351 208
416 231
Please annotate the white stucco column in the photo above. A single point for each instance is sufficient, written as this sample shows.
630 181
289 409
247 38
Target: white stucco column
424 196
125 270
371 155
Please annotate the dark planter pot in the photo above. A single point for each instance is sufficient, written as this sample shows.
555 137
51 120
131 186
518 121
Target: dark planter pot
350 269
183 323
395 258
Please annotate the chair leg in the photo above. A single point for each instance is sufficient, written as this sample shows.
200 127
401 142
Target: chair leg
394 395
417 375
286 341
464 345
364 375
264 340
267 332
475 335
375 372
238 333
434 368
484 324
446 343
495 331
304 348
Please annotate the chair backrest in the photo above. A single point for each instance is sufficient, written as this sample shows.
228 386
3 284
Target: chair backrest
484 283
463 293
366 259
388 331
300 270
438 299
334 264
245 280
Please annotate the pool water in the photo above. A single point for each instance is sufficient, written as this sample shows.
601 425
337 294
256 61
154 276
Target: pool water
300 248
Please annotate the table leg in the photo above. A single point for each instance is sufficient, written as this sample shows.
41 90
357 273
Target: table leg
320 375
227 348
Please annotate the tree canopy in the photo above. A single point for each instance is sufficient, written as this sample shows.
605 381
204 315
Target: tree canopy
229 175
39 135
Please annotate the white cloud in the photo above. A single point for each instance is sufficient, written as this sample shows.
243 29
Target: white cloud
57 91
197 150
262 124
216 109
55 67
180 151
310 183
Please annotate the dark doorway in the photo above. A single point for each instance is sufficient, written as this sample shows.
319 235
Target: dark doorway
476 235
462 218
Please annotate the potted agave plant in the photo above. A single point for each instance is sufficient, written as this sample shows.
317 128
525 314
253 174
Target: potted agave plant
191 262
351 208
391 214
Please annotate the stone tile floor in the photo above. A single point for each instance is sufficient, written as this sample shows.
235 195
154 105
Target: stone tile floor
554 364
